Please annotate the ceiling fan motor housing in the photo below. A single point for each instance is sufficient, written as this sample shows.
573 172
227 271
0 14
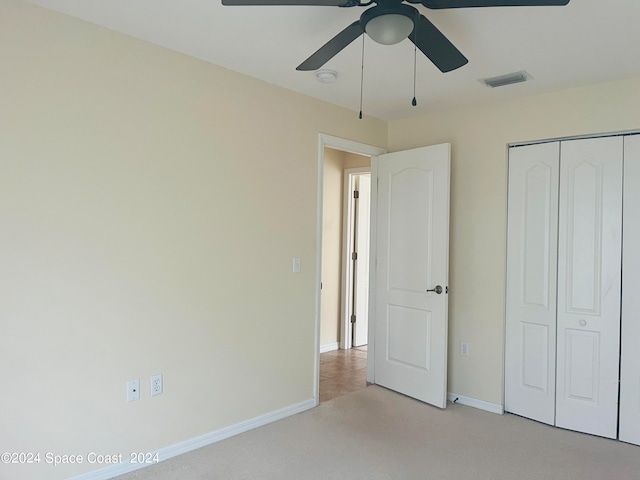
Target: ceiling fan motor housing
389 22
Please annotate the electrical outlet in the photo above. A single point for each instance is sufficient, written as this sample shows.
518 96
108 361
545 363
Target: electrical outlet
464 349
133 390
156 385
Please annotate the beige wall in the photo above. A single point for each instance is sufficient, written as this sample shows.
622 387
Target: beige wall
479 138
150 206
335 162
352 160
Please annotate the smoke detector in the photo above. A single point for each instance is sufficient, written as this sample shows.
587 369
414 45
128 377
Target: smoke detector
326 76
508 79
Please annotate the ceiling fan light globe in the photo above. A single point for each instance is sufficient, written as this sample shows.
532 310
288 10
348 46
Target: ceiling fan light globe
389 29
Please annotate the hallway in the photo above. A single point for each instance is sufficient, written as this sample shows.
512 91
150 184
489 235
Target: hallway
342 372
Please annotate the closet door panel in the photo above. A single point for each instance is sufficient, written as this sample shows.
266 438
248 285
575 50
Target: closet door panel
630 362
531 281
589 262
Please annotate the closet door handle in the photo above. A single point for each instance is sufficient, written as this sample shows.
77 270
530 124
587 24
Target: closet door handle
583 323
438 289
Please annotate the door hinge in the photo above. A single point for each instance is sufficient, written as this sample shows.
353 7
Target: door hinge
353 319
356 194
354 256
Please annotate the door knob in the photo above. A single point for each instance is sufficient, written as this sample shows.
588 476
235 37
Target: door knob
582 323
438 289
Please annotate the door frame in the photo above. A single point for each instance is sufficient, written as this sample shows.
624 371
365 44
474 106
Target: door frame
347 245
337 143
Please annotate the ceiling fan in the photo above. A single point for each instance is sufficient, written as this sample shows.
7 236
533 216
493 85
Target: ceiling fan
391 21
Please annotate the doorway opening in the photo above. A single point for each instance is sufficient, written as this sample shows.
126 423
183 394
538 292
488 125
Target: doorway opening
343 267
407 339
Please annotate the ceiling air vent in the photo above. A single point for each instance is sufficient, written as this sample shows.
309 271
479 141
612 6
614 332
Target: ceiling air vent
508 79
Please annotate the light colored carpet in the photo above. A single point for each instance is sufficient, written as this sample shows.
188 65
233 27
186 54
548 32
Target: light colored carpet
377 434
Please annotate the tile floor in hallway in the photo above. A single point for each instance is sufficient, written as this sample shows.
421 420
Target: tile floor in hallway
342 372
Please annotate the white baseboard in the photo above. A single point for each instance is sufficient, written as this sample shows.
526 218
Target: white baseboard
198 442
475 403
329 347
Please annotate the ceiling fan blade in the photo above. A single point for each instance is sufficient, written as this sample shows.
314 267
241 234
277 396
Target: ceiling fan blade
436 46
323 3
332 47
439 4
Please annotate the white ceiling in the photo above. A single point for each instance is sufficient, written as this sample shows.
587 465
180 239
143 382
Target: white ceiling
585 42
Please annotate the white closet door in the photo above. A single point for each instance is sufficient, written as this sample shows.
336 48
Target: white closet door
630 363
589 262
531 281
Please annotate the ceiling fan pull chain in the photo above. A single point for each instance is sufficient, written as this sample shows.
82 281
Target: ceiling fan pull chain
414 101
415 52
361 77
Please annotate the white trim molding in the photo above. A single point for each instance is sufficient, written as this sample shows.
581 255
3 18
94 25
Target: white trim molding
198 442
475 403
329 347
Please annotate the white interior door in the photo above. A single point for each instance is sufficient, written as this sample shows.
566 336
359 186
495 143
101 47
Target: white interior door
532 237
589 262
361 310
412 257
630 361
